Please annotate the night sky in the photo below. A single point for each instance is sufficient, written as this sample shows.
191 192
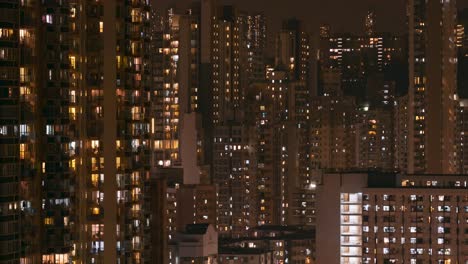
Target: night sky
342 15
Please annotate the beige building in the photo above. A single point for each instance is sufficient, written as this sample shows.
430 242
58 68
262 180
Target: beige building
198 244
390 218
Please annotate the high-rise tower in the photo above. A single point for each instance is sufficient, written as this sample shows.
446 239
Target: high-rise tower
75 129
293 50
462 45
230 147
19 174
432 90
369 23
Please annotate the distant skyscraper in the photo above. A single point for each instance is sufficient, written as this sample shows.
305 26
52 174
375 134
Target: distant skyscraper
462 46
462 89
256 45
209 15
179 138
292 156
374 137
344 53
333 135
168 89
462 136
369 24
432 89
400 127
230 167
226 57
325 31
360 57
281 161
331 82
293 50
261 118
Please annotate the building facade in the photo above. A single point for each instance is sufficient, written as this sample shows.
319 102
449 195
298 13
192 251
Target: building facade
20 180
389 218
61 128
432 86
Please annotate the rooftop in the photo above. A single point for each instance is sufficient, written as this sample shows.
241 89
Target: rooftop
196 229
241 251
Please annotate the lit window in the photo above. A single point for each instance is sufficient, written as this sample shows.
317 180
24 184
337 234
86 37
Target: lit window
73 62
48 221
136 15
95 210
72 164
24 130
95 179
23 77
3 130
72 96
23 149
23 34
6 32
48 19
72 112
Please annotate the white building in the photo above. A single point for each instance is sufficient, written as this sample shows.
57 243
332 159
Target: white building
197 245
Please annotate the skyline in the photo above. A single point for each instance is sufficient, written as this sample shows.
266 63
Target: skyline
133 133
333 12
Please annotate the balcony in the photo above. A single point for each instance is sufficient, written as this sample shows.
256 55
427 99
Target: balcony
351 209
351 251
351 220
351 241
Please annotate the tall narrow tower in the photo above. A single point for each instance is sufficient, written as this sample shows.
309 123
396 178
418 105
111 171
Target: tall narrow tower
432 91
369 23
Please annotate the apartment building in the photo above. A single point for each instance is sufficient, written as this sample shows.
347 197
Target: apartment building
392 218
